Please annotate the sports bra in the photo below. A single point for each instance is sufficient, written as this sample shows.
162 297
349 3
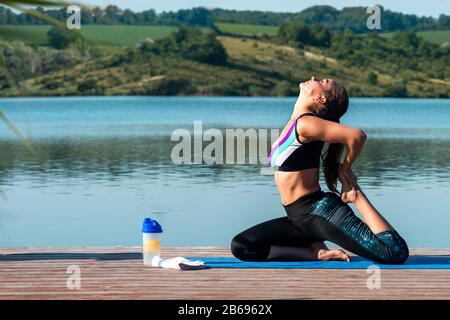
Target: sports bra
289 154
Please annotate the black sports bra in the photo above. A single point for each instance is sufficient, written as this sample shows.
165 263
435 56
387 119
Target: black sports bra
289 154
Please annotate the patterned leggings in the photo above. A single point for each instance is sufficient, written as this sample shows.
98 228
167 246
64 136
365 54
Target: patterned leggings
318 217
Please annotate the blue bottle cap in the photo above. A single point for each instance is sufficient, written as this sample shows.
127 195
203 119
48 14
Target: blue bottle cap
151 226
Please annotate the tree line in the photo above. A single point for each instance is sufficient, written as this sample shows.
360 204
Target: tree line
352 18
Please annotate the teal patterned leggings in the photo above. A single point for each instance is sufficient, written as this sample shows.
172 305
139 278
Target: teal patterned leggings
320 216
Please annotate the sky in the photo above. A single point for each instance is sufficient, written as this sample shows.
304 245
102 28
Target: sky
418 7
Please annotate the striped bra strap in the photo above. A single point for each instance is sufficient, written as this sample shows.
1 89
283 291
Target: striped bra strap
287 139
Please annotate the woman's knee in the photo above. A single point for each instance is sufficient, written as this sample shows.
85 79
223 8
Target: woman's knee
245 250
398 255
398 251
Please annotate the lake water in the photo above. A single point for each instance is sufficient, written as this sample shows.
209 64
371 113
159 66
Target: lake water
105 164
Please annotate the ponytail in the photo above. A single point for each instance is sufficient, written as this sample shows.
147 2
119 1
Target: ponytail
335 108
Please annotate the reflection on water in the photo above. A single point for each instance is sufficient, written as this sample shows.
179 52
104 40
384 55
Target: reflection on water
383 162
103 170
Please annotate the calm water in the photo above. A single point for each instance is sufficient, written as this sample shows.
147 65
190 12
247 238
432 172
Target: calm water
105 165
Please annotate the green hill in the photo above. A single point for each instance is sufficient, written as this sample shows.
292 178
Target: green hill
31 34
246 29
254 67
130 35
194 62
436 37
113 35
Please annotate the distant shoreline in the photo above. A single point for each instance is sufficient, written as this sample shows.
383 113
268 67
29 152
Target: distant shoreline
206 96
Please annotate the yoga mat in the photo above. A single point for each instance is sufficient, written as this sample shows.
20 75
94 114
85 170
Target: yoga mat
416 262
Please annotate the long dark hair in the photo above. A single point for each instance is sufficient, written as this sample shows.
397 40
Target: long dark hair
334 108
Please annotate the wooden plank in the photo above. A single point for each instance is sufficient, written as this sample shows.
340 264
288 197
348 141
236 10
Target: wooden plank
118 273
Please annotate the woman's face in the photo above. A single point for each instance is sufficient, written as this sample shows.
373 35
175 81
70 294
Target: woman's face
316 87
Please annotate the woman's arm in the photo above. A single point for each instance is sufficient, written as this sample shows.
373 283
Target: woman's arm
352 153
354 147
348 193
314 128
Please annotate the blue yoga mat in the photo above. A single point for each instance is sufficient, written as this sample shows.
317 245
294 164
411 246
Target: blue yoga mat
416 262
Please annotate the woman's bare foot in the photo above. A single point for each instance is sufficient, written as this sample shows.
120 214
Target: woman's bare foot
333 254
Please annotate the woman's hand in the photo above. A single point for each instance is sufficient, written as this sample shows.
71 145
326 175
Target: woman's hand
346 175
349 183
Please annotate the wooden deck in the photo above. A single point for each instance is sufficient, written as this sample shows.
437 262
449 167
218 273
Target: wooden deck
118 273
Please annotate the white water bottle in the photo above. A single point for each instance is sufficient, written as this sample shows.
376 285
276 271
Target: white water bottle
151 240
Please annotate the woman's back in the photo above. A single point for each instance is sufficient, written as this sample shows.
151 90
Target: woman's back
293 185
297 163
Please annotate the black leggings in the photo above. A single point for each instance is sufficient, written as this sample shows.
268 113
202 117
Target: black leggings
318 217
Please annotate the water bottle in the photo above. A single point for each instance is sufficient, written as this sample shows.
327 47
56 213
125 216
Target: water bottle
151 237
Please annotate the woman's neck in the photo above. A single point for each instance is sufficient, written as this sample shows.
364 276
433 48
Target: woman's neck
300 107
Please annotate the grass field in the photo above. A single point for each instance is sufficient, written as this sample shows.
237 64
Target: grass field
115 35
130 35
27 34
437 37
246 29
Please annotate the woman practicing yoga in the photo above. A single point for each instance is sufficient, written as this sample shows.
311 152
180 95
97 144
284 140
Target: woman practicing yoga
314 216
